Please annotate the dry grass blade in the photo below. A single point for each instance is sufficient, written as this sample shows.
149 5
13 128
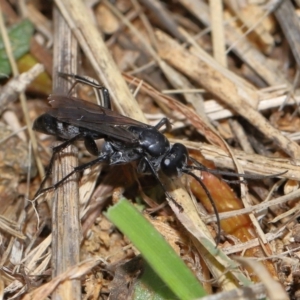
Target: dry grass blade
218 38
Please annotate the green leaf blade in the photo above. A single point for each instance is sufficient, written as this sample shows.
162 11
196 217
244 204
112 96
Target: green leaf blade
19 36
157 252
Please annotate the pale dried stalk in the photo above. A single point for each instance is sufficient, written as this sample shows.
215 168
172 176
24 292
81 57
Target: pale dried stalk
217 30
217 111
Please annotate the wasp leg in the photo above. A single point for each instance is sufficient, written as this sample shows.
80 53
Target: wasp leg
56 150
155 174
101 92
80 168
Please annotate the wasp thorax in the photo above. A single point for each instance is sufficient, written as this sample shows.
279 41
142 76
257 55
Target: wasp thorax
154 142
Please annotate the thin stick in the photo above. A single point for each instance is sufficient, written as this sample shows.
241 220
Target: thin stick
65 208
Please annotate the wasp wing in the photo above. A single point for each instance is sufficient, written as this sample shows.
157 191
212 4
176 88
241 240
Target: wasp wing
97 113
81 113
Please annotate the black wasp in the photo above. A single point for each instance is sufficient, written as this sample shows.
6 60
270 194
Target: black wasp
126 140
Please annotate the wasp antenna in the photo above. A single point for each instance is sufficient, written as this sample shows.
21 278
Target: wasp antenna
198 166
232 174
226 173
211 202
234 181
